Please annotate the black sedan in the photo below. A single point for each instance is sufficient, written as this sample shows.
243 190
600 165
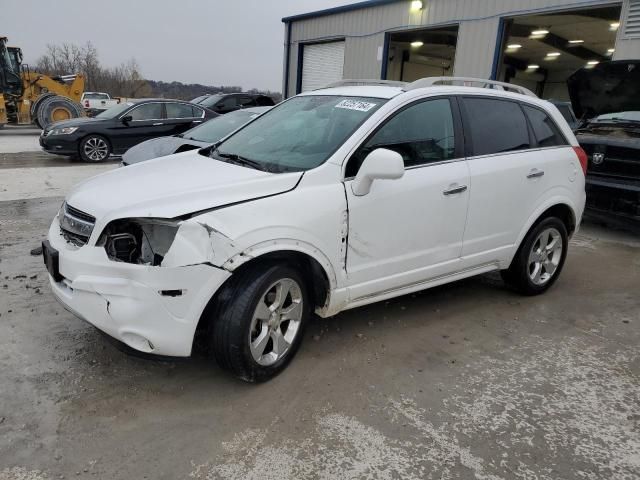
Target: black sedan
116 130
199 137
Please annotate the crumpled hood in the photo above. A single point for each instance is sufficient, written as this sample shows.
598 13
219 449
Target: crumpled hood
158 147
174 186
609 87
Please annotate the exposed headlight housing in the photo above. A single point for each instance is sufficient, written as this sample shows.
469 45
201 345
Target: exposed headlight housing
62 131
141 241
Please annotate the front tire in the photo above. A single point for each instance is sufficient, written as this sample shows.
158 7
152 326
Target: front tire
259 320
94 148
540 258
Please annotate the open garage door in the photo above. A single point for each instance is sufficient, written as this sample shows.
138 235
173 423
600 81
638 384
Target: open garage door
322 63
421 53
540 52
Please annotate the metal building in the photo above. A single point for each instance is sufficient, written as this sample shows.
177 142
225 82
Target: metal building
534 43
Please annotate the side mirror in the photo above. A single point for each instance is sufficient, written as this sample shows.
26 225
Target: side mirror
381 164
126 119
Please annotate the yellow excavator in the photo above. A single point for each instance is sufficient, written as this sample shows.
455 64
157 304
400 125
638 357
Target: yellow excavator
30 97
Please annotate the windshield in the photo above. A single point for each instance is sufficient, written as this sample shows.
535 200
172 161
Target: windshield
210 100
113 112
631 116
219 127
299 134
199 99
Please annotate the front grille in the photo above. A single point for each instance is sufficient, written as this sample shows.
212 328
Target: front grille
74 212
613 161
75 225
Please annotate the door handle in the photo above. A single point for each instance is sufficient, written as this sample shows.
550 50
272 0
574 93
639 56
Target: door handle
454 190
159 123
535 173
197 121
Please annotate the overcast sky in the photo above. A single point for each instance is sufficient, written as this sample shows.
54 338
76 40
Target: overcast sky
213 42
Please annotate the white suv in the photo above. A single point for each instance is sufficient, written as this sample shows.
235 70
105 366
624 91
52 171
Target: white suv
334 199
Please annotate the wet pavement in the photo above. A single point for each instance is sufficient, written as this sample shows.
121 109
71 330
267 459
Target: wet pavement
462 381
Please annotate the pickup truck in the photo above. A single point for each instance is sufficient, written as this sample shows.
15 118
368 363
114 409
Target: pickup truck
96 102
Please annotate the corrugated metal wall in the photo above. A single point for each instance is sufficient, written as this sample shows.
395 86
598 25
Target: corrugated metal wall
479 21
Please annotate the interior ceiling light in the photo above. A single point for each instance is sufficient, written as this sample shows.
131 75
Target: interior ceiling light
614 25
417 44
514 46
593 62
416 6
540 32
576 42
553 54
533 67
611 50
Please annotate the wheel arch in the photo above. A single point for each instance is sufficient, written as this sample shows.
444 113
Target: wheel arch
560 208
315 268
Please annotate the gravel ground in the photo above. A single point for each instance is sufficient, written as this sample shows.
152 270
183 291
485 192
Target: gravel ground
463 381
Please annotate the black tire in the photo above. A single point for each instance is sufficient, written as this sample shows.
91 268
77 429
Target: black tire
35 106
96 143
232 318
52 106
520 272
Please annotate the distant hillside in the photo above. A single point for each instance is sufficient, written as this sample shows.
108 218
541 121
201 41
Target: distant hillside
188 91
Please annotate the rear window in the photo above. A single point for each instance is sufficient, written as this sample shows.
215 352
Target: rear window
496 126
544 129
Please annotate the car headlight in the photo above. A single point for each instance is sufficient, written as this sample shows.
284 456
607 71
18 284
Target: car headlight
63 131
142 241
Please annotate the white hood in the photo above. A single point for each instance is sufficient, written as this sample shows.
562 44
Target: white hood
174 185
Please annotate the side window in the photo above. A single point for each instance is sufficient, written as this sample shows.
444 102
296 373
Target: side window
227 103
179 110
496 126
197 112
148 111
544 129
247 102
422 133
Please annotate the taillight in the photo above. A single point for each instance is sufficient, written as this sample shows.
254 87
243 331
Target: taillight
582 156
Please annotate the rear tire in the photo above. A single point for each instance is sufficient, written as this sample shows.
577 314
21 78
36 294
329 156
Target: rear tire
57 108
94 148
259 320
35 106
540 258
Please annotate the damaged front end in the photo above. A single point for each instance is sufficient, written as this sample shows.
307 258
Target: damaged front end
145 281
142 241
161 242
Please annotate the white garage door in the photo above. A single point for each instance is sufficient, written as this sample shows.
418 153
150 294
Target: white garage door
322 64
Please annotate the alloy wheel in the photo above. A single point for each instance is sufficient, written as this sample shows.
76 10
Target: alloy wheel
276 321
545 256
96 149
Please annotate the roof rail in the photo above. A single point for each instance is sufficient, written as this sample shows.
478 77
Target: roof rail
355 83
469 82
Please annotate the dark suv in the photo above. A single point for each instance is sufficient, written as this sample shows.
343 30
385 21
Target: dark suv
225 103
607 100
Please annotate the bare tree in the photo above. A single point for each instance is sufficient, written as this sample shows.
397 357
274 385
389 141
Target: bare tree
125 80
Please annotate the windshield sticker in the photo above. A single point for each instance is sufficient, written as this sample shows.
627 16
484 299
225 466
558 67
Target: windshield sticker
356 105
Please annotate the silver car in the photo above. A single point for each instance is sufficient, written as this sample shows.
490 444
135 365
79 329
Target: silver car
198 137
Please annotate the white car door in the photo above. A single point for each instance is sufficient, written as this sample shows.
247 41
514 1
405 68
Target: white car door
510 171
406 231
